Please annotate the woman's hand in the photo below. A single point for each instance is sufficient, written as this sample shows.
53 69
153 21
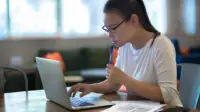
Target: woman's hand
115 75
84 88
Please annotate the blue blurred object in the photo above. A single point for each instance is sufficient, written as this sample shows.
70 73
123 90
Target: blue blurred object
193 56
111 54
179 68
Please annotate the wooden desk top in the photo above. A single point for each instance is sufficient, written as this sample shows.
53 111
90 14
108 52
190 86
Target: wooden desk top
36 102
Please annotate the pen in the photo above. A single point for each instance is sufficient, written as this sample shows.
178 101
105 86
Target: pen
111 54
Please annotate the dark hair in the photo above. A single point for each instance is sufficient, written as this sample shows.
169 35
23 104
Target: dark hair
128 7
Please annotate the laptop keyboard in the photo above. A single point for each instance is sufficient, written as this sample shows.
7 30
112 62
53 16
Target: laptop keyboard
77 102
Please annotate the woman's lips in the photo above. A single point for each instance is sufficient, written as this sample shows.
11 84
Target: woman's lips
114 42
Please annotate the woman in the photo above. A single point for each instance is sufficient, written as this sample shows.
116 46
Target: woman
146 59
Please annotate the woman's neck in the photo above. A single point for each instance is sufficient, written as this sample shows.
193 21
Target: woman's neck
141 39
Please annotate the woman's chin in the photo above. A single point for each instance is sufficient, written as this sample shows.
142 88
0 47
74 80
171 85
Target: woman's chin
115 44
119 45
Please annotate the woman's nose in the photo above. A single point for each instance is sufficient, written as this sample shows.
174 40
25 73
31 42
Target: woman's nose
110 35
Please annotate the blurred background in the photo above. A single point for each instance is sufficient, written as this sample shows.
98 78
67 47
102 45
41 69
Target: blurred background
29 25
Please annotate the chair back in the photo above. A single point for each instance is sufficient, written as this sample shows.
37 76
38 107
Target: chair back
190 85
3 80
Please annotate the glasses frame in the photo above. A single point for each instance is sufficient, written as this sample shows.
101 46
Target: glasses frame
107 29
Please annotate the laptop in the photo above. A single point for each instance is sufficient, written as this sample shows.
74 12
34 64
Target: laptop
56 91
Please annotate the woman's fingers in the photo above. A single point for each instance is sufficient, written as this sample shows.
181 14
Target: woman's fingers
107 70
84 93
75 91
71 90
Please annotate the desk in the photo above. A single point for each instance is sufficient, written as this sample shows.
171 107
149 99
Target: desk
37 102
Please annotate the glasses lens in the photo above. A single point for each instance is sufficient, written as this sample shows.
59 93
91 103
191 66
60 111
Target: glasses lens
105 28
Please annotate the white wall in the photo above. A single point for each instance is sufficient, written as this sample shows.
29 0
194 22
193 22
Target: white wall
29 48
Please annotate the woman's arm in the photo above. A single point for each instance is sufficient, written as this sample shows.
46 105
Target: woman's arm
152 92
104 87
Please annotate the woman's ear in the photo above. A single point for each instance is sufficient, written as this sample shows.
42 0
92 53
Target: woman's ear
134 19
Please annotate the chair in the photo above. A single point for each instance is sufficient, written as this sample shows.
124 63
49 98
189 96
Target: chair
190 85
3 80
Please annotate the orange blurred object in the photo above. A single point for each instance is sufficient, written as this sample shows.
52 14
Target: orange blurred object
56 56
115 53
185 51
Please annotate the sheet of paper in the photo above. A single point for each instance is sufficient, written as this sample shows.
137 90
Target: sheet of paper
138 101
134 106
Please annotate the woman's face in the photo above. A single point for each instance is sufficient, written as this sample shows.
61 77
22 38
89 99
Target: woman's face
119 29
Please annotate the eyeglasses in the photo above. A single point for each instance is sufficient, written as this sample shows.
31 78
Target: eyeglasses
112 29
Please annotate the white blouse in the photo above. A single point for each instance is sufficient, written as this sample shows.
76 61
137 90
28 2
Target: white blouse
154 64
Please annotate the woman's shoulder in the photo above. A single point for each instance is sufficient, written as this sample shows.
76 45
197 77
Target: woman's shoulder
162 38
163 41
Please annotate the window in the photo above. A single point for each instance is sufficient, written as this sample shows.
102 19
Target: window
82 16
3 30
156 10
47 18
33 17
189 15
